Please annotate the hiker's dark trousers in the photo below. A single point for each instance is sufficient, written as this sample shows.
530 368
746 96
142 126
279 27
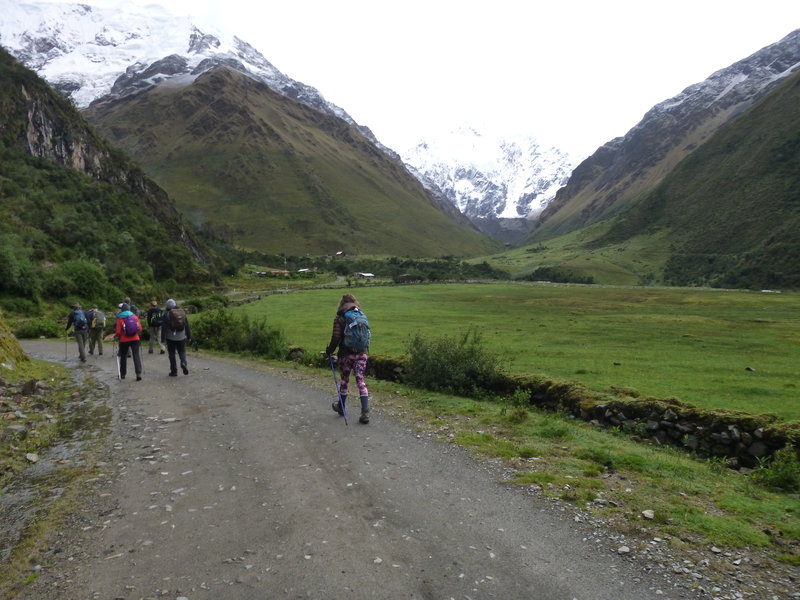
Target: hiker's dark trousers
123 357
178 346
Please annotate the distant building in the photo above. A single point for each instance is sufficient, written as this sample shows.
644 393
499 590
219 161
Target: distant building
366 275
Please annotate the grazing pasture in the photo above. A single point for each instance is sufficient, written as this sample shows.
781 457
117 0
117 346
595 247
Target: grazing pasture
736 350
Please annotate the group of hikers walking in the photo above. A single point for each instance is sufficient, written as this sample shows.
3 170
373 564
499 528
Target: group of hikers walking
348 346
166 328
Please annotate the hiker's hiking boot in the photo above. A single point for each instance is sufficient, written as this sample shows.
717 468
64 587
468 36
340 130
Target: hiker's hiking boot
364 418
337 406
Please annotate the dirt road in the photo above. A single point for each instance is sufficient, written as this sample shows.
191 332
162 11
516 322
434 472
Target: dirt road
239 483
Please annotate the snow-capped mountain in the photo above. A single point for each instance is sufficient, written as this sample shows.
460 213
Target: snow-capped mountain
88 52
488 177
626 168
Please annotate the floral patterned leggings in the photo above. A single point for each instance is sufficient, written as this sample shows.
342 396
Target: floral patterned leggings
357 364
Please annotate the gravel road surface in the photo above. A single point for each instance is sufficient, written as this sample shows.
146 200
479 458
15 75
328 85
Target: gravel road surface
239 482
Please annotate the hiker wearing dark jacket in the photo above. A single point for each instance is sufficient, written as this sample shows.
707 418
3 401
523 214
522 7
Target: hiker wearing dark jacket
78 318
175 337
133 308
154 319
128 341
97 322
350 361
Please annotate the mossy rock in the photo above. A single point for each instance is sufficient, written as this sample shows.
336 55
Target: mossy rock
11 354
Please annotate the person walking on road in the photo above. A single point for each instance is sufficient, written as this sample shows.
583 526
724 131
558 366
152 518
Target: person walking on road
175 331
97 324
77 319
127 330
154 317
352 356
132 307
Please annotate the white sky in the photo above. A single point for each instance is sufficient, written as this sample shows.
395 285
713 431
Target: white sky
573 73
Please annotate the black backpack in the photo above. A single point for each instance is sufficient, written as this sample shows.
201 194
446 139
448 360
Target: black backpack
154 320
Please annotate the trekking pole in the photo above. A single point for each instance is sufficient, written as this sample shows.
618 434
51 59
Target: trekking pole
66 341
116 356
338 393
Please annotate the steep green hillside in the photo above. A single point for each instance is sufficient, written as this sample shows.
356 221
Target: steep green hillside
78 221
276 176
624 170
728 215
732 208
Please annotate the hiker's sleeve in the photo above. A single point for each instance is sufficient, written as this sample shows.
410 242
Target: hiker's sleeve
336 336
164 323
69 321
188 329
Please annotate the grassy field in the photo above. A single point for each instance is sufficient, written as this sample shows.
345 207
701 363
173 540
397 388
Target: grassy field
716 349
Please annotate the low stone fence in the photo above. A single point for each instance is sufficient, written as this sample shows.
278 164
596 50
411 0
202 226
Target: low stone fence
741 438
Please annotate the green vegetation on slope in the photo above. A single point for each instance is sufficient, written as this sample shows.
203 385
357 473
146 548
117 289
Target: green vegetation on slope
66 235
276 176
63 234
733 206
728 215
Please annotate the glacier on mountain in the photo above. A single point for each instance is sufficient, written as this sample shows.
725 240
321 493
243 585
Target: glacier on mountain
490 177
89 52
92 52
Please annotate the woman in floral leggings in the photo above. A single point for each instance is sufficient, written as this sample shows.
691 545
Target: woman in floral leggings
350 361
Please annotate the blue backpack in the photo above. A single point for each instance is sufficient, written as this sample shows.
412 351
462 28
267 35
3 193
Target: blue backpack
80 319
356 330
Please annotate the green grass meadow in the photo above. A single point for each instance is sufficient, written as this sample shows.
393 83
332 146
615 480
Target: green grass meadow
735 350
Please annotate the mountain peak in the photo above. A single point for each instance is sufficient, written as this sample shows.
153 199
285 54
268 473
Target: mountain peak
491 177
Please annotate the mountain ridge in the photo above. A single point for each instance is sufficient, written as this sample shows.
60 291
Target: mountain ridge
133 62
310 181
627 167
106 55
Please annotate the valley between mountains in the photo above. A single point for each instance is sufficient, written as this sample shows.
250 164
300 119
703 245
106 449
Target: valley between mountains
238 481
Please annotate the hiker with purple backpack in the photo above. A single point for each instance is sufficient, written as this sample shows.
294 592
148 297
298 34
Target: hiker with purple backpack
127 331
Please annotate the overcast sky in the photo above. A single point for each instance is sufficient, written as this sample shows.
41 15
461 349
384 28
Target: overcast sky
574 73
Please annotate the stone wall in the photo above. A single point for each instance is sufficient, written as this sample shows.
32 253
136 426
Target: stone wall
740 437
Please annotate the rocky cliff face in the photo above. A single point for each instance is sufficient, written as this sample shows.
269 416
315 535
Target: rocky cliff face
626 168
47 126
